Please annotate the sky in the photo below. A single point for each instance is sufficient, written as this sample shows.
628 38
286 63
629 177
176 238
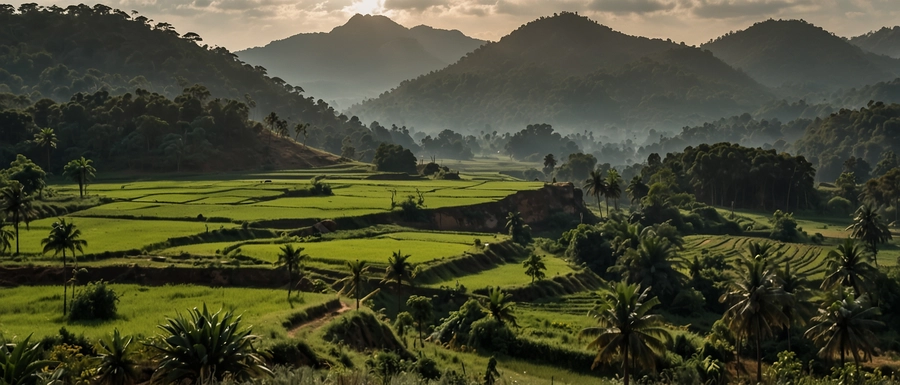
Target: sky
240 24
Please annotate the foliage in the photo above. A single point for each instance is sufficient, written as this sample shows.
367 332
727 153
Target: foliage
457 325
847 267
576 168
625 328
27 173
653 265
534 267
292 260
870 229
96 302
6 237
117 363
518 230
785 228
394 158
422 311
500 306
787 370
846 325
16 205
352 284
21 363
81 171
204 347
587 245
398 270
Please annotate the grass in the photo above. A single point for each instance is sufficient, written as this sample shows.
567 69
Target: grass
38 309
511 274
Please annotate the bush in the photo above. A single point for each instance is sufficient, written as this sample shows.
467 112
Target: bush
490 334
840 205
294 354
784 228
96 302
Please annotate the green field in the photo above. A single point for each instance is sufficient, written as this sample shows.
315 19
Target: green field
510 274
38 310
423 247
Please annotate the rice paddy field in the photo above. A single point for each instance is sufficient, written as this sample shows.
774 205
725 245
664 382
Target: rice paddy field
506 275
38 309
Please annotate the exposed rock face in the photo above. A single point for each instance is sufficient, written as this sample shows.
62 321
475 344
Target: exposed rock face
536 207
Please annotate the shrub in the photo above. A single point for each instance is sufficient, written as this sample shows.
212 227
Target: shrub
840 205
97 301
784 227
490 334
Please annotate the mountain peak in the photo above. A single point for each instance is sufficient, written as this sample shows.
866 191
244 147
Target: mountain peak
368 24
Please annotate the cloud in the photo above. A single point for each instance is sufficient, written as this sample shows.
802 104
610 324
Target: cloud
413 5
622 7
724 9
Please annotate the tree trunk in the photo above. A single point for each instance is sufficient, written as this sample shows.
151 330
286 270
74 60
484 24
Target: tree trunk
758 357
356 293
48 159
289 282
607 207
16 226
65 284
625 363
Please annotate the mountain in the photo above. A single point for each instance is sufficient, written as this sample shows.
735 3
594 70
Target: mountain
361 58
885 41
569 71
795 54
52 58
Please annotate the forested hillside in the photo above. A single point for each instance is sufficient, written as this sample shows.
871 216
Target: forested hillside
885 41
569 71
53 52
801 57
364 57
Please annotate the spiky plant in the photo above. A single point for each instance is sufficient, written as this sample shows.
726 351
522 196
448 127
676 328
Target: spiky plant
117 365
21 363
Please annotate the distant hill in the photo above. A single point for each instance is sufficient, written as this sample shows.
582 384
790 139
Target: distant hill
798 54
885 41
570 71
361 58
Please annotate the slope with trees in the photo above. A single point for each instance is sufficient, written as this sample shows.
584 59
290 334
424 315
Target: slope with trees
885 41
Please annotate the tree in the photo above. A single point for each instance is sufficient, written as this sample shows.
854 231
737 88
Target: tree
595 185
26 172
46 138
16 204
6 237
847 267
870 229
796 284
491 373
64 236
613 188
422 310
549 164
117 364
500 306
637 189
394 158
626 329
302 129
353 282
654 262
518 230
398 270
292 259
534 267
21 363
847 325
80 171
757 303
204 348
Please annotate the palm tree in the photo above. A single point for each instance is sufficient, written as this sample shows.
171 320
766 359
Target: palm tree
796 284
655 262
534 267
637 189
292 259
845 326
6 237
626 330
46 138
596 186
16 204
518 231
206 347
757 303
64 236
399 269
117 364
870 229
80 171
549 164
847 267
500 306
353 282
613 188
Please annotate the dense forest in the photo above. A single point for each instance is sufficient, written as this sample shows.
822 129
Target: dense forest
567 70
885 41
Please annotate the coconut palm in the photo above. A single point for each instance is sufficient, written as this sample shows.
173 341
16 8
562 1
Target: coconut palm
656 263
847 325
595 186
625 329
869 228
500 306
203 348
117 364
16 204
64 236
534 267
518 230
549 164
399 269
291 259
80 171
613 188
353 282
847 267
6 237
757 303
796 284
637 189
46 138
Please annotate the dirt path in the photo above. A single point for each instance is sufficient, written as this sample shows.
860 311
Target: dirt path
316 323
